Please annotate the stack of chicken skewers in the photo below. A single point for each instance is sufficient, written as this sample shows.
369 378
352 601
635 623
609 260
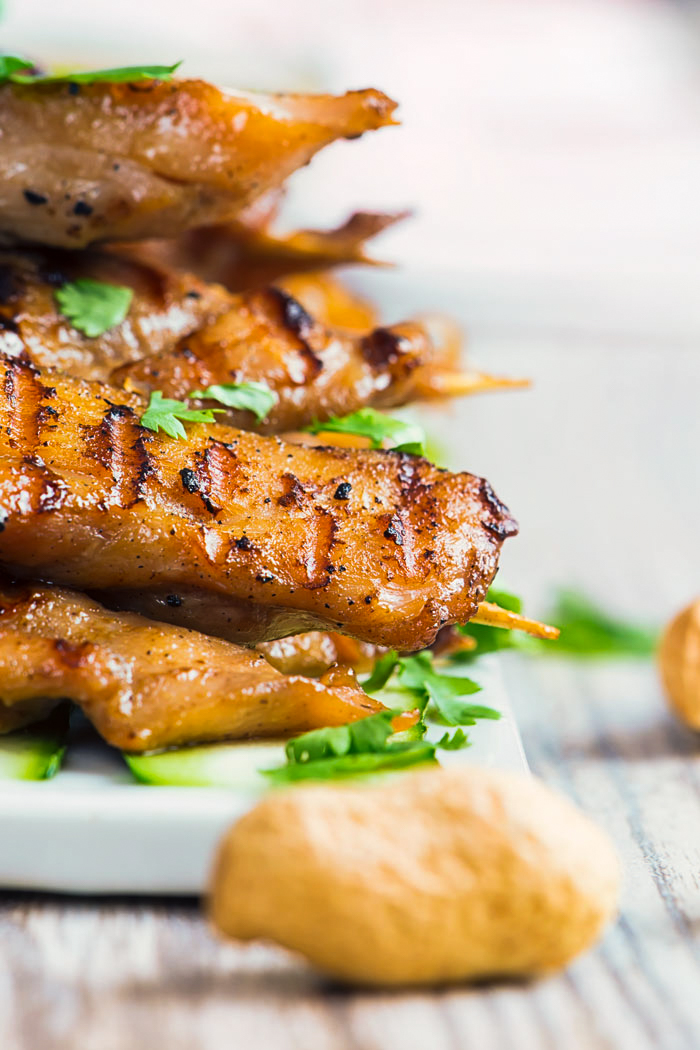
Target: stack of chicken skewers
186 552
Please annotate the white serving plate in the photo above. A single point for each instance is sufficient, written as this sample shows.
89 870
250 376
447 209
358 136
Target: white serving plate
92 829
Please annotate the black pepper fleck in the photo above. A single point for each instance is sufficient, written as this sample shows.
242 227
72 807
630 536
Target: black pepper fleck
343 491
189 479
32 197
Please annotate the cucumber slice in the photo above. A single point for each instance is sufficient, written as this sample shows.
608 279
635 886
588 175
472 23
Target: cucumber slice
237 765
36 753
212 765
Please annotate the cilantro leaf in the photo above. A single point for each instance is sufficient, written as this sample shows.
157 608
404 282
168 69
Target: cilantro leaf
456 742
367 422
359 747
10 66
381 672
366 735
418 675
164 413
398 757
587 630
366 746
94 307
252 397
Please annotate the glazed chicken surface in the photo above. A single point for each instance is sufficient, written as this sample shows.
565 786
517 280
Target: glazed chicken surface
147 685
380 545
83 163
165 306
181 334
316 373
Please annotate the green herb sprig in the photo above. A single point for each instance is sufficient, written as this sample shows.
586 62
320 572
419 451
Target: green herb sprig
167 414
589 631
419 679
379 428
93 307
250 397
11 67
367 746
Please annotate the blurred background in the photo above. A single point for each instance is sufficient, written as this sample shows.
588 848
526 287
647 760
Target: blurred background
550 151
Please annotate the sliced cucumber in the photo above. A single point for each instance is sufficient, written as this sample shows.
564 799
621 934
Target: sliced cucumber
238 765
213 765
36 753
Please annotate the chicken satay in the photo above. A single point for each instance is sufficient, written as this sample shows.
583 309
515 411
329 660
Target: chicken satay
314 371
164 307
244 254
265 336
148 685
383 546
84 163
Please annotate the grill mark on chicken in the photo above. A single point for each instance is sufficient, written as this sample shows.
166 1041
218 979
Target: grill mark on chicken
316 550
220 478
500 524
24 393
150 685
296 320
120 445
381 348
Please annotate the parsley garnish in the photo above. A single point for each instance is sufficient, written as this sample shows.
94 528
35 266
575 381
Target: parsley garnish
367 422
251 397
11 66
456 742
381 672
94 307
164 413
366 746
417 677
586 630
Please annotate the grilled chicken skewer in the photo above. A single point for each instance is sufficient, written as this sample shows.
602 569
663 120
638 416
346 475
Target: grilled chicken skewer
82 163
316 373
380 545
198 334
148 685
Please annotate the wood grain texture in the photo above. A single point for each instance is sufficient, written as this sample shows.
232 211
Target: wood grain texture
107 976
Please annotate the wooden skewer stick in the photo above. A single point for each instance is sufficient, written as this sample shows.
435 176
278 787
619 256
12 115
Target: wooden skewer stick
494 616
453 384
